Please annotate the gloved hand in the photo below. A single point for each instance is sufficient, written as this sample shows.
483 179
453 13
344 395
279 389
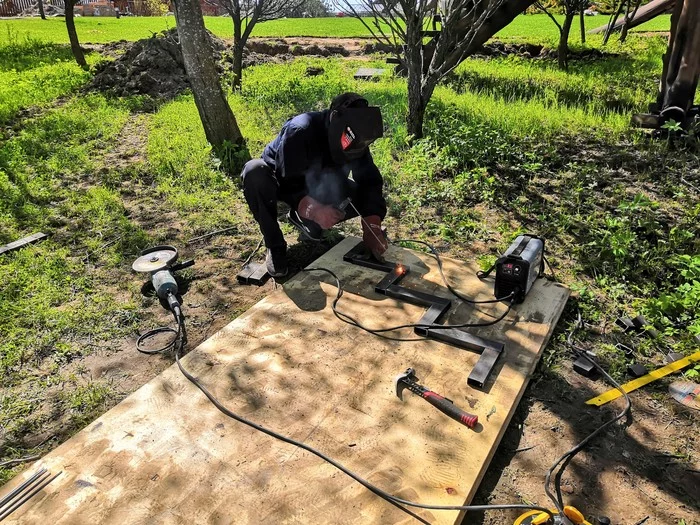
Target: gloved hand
373 236
322 214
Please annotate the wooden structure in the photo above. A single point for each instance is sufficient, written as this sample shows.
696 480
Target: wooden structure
166 455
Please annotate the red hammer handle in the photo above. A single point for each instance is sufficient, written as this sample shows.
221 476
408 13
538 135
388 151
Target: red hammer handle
448 407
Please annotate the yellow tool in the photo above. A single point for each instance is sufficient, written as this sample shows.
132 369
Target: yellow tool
644 380
535 517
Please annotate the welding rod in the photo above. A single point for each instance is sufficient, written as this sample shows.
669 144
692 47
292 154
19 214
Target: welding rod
365 223
12 495
27 496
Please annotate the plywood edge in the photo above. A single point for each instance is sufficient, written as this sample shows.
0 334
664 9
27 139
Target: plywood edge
564 297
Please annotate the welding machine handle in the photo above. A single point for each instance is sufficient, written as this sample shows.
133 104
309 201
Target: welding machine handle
448 407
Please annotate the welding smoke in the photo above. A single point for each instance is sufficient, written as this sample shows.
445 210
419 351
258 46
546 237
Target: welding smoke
328 185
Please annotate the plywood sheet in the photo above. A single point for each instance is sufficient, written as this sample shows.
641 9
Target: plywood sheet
166 455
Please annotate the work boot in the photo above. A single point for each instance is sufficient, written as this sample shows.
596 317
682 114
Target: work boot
276 261
310 231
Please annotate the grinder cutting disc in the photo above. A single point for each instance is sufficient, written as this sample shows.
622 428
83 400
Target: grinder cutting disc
155 259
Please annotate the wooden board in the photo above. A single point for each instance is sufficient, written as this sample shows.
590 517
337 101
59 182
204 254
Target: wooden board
166 455
16 245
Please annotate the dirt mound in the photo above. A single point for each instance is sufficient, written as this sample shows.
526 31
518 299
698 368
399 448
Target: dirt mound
153 66
378 47
251 58
281 47
501 49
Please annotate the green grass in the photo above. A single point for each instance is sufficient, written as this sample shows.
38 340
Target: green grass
533 28
511 145
33 73
48 299
539 28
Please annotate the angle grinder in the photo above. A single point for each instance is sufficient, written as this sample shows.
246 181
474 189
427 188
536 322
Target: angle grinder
159 261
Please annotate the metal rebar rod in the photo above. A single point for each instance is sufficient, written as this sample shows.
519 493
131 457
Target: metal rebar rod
4 501
27 496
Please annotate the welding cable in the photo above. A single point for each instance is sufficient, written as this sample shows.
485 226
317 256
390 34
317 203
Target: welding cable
551 270
378 331
252 254
351 320
566 458
390 498
454 292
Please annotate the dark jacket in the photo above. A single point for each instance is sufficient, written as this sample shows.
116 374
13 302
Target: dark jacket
302 163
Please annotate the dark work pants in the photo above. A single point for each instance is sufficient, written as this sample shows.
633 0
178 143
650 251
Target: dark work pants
262 193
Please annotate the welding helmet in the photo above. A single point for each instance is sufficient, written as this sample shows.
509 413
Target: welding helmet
353 125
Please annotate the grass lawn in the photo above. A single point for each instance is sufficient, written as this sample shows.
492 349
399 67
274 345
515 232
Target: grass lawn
101 30
512 145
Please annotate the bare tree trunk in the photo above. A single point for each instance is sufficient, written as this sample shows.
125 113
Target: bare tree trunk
237 66
613 21
41 9
563 51
237 54
681 63
73 35
505 14
220 125
416 103
628 19
415 61
582 20
465 26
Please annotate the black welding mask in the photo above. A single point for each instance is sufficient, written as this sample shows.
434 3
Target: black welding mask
353 126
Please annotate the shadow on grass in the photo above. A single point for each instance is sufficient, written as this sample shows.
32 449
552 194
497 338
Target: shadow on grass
608 95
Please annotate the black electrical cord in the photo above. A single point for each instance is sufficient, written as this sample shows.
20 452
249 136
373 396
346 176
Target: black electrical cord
379 331
177 312
180 340
390 498
566 458
454 292
155 331
252 254
551 270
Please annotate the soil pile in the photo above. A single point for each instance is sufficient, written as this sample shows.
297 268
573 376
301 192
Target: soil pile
294 48
153 66
278 51
501 49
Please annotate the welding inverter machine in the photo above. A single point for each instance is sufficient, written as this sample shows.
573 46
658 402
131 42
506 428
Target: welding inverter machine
518 268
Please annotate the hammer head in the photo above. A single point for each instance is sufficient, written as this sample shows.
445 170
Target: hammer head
401 381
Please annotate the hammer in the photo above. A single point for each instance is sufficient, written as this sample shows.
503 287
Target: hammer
409 380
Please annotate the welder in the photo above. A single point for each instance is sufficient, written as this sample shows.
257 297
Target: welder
318 161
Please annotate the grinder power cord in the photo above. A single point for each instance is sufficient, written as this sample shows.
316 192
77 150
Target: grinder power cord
541 513
178 345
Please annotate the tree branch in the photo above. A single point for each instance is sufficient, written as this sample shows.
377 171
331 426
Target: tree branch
542 8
